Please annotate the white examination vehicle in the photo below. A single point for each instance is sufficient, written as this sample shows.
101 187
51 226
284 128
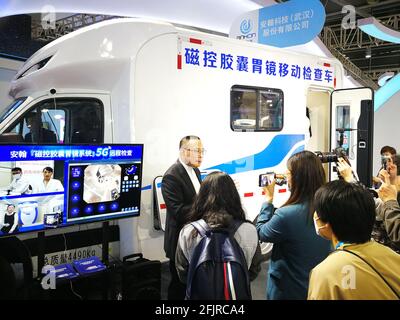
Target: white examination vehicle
136 81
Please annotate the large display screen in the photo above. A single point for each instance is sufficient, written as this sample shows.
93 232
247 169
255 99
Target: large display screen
53 186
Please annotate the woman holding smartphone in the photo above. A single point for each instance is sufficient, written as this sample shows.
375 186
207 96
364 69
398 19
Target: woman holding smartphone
297 247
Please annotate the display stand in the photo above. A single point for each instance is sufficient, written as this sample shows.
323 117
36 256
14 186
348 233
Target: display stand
105 243
41 241
41 253
105 247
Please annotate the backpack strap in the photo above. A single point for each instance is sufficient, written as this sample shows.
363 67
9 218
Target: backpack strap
234 226
201 226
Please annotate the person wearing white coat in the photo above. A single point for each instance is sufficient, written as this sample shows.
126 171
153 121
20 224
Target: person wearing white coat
48 184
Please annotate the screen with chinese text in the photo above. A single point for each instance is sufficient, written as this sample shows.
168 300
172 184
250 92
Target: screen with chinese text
53 186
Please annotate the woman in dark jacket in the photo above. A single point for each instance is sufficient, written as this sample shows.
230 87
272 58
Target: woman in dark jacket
297 248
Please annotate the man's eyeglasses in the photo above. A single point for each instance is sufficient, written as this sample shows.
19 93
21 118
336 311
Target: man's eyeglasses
198 151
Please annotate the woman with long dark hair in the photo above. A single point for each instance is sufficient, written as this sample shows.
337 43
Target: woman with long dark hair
218 204
297 248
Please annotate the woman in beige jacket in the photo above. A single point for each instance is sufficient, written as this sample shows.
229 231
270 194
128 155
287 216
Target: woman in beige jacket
359 268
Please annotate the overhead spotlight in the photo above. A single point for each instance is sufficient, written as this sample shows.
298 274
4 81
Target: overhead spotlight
368 53
383 78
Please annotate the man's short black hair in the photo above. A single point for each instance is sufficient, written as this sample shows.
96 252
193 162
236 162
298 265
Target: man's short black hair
186 139
389 149
348 208
49 169
16 169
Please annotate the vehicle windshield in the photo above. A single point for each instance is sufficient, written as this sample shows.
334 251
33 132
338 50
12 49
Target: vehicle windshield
10 109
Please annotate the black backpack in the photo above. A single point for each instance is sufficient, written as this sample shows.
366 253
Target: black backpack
218 268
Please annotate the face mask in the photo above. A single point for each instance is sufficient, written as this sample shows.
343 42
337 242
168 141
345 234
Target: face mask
318 228
17 176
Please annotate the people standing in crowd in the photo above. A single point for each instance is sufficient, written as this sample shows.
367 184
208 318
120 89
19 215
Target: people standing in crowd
388 151
389 213
393 171
10 220
218 204
297 249
388 154
359 268
18 184
180 184
386 228
48 184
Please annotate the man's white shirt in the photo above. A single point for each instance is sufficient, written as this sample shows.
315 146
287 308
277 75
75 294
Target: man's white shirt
192 175
53 185
19 186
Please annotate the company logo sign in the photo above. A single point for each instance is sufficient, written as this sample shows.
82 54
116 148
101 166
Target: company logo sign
282 25
246 26
290 23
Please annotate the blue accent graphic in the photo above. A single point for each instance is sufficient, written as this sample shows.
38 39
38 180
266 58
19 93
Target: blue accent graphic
74 212
89 209
377 30
33 195
76 185
75 198
376 33
386 92
271 156
245 26
131 170
291 23
69 152
76 172
146 187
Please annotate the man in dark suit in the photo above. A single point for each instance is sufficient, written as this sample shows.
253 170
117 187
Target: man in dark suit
37 132
180 184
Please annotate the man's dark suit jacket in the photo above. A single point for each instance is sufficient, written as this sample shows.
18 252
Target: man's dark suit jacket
179 194
47 136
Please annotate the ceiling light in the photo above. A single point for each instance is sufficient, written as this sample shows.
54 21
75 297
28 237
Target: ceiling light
384 77
368 53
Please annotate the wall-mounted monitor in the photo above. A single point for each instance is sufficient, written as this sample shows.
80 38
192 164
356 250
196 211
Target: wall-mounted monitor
54 186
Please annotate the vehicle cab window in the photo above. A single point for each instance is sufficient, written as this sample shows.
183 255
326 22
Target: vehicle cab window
63 120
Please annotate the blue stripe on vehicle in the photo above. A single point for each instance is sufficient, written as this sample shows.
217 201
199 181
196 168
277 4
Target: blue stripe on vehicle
271 156
146 187
299 149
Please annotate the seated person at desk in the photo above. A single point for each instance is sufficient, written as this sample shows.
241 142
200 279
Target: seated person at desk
38 133
48 184
10 220
18 184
